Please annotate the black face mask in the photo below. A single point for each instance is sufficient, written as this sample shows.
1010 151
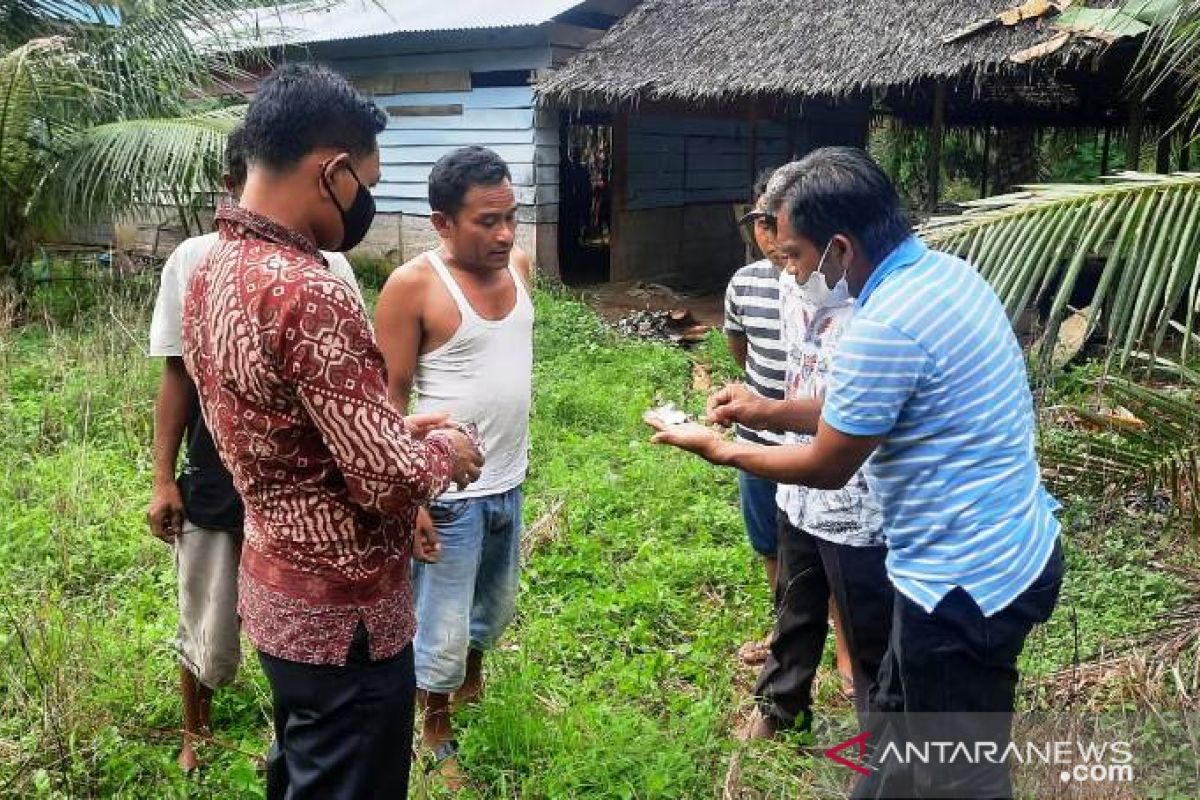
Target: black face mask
356 220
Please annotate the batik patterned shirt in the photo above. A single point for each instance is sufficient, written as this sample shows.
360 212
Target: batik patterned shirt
293 389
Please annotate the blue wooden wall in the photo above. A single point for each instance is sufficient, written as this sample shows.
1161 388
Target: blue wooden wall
675 161
502 118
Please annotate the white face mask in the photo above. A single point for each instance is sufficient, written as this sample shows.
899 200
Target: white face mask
816 289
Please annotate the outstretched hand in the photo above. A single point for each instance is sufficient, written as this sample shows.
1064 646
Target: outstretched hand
689 436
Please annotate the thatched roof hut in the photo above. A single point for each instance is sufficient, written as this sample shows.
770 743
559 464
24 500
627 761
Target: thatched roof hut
713 51
702 94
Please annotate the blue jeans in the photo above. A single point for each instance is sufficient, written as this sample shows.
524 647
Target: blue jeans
760 513
466 600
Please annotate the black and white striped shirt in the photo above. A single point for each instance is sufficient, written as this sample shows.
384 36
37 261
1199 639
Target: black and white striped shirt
752 310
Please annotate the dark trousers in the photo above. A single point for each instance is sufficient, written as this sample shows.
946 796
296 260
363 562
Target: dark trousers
951 676
810 568
341 733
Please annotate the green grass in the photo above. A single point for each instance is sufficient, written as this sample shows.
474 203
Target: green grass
617 679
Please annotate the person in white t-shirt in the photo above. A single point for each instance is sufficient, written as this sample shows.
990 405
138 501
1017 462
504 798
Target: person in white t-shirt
199 512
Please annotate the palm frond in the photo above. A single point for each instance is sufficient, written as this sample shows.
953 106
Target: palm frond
98 106
1143 230
166 52
121 166
1170 57
1136 437
39 84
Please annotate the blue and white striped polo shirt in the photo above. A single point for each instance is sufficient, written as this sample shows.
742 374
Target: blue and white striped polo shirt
752 310
930 364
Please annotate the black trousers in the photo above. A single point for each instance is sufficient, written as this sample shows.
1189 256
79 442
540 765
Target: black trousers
951 676
810 569
341 733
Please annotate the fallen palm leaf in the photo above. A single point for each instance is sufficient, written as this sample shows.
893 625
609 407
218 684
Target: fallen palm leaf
1141 230
1030 9
1147 439
1039 50
1120 417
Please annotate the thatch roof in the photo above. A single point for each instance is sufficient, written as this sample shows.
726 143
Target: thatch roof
708 50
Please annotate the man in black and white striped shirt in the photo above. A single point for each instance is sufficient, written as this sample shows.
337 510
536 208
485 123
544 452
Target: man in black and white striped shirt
753 330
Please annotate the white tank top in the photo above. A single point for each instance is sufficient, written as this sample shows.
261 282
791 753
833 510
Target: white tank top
484 375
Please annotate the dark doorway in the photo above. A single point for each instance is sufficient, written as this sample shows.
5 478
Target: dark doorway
585 197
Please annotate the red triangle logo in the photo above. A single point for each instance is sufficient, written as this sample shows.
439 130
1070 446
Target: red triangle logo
860 741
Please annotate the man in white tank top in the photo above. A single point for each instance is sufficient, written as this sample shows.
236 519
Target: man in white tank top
455 326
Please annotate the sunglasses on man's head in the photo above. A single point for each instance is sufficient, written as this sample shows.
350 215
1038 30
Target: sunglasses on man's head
754 217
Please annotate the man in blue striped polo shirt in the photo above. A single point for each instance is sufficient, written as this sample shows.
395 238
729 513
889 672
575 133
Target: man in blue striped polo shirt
929 384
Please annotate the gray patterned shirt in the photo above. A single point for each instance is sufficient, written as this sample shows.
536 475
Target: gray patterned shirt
849 516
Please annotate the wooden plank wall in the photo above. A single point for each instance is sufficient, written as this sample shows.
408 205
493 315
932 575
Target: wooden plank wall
675 161
433 108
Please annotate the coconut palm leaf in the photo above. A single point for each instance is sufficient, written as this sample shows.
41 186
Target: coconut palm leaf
135 71
120 166
39 82
1171 55
1143 229
1154 443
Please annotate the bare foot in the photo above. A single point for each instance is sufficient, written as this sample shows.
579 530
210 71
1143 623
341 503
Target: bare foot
752 654
467 695
757 726
446 767
187 756
847 681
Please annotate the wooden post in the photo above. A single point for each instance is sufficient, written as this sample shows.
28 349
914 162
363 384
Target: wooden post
987 146
753 145
749 249
1105 149
1133 136
618 259
936 131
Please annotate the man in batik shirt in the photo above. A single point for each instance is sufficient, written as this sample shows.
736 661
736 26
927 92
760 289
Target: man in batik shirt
294 392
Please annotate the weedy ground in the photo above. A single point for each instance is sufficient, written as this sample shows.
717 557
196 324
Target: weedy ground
618 678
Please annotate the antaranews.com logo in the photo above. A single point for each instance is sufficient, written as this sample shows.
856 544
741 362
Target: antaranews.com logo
1075 761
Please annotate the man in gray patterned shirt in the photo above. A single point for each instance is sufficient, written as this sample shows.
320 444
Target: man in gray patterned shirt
828 541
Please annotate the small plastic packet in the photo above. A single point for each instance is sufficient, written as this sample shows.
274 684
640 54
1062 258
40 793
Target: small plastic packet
666 414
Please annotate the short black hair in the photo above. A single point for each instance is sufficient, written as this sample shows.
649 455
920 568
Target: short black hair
301 107
842 190
456 172
760 184
235 156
